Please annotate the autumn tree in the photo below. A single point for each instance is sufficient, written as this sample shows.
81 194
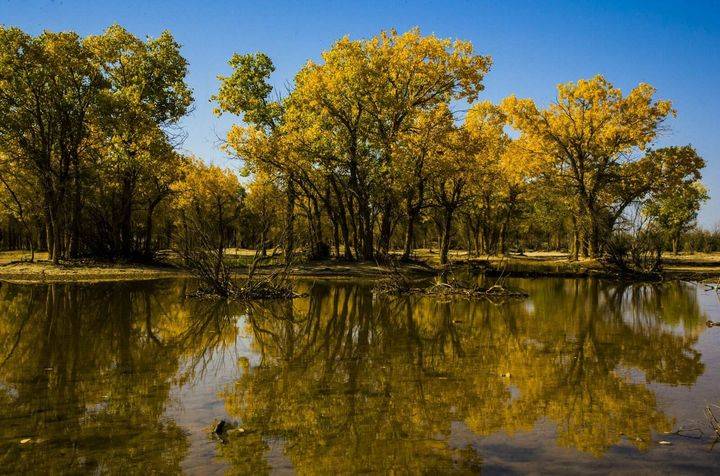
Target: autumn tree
87 122
469 152
676 210
262 213
364 96
247 93
19 203
419 150
146 97
49 87
588 135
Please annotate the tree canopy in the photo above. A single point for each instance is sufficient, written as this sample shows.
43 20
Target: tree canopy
383 144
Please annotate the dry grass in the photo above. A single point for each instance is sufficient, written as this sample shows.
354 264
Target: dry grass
702 264
15 266
7 257
683 265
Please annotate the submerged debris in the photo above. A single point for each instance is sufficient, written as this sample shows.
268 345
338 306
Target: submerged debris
222 430
219 427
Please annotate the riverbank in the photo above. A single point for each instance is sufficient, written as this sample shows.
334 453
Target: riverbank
16 267
690 267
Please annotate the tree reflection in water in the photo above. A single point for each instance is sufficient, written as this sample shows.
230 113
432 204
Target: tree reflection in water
87 377
360 384
345 380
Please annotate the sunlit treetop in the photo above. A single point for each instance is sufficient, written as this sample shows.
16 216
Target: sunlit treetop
591 119
247 91
146 77
381 82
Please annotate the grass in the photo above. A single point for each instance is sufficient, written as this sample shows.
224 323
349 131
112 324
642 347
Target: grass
16 267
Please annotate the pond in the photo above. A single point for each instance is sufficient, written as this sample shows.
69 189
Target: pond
583 376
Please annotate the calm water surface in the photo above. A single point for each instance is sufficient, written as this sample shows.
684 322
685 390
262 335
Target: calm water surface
584 376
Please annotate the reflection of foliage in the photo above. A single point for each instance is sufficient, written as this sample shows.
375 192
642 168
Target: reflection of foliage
346 380
86 374
357 384
248 457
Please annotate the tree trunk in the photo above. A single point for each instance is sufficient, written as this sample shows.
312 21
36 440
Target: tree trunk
290 221
220 242
594 241
502 238
576 239
354 219
409 234
385 228
368 250
49 241
445 238
263 242
321 249
344 231
75 226
57 241
149 227
126 219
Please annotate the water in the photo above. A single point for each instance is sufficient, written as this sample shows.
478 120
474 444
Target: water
584 376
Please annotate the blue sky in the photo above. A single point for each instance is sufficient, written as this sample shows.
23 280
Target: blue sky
675 46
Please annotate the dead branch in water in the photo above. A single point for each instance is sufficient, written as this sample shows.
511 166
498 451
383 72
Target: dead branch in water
271 287
274 285
712 419
398 284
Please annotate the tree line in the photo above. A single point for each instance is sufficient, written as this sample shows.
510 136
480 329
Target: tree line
382 145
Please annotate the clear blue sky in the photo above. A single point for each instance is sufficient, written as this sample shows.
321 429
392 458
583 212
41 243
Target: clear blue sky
674 46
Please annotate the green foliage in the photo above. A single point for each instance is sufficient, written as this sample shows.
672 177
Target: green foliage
246 91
